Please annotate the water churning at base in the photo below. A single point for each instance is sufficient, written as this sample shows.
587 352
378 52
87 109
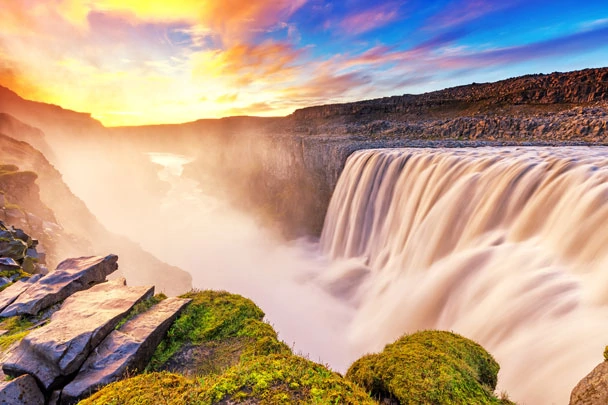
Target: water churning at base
507 246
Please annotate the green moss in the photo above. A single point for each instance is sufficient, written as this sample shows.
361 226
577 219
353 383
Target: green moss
152 389
429 367
211 316
276 379
17 328
141 307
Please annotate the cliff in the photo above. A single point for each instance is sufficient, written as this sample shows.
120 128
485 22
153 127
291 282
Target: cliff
555 90
284 169
38 188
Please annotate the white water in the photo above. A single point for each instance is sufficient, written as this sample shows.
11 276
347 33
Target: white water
506 246
226 249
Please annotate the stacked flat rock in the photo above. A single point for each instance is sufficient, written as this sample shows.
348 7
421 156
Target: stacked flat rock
126 349
79 349
54 352
71 275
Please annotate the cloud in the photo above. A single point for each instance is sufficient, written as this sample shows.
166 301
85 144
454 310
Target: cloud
370 19
464 11
564 45
227 98
245 64
234 20
327 86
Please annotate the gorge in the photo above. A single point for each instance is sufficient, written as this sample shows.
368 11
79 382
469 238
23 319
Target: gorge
481 214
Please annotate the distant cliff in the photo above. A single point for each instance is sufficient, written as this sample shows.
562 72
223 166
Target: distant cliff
579 87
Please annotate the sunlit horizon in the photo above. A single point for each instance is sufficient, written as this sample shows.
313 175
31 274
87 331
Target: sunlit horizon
135 63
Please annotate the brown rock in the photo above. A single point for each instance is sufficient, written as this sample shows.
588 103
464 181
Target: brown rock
70 276
127 349
21 391
593 389
54 352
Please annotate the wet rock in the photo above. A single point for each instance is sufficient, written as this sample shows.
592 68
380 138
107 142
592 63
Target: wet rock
11 293
593 389
21 391
54 352
129 348
70 276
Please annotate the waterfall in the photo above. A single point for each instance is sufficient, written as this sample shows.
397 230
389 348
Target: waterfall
506 246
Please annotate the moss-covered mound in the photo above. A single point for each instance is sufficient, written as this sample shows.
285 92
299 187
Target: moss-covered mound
216 331
219 351
274 379
430 367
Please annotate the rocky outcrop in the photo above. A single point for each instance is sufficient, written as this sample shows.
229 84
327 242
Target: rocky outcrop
54 352
593 389
71 275
127 349
21 391
12 292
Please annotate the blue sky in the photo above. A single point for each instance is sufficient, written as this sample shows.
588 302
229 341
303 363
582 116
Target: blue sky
135 62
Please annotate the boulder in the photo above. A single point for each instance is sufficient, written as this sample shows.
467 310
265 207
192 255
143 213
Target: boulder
12 292
593 388
8 263
22 236
71 275
21 391
29 265
127 349
54 352
14 248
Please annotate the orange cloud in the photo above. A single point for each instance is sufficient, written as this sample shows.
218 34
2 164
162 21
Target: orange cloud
246 64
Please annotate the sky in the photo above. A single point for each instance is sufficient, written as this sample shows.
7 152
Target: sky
134 62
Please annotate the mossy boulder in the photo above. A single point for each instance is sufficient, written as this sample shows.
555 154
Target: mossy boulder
429 367
274 379
215 332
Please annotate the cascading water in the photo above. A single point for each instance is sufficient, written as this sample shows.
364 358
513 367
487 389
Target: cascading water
506 246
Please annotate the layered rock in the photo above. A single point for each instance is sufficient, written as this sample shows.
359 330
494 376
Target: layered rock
71 275
54 352
127 349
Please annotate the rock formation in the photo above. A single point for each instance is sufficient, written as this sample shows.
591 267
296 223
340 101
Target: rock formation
593 388
74 341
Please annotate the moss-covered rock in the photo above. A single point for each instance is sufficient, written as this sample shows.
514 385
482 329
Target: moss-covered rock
274 379
216 331
430 367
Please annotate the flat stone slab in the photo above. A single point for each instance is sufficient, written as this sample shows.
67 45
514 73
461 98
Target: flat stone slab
21 391
54 352
128 349
71 275
12 292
